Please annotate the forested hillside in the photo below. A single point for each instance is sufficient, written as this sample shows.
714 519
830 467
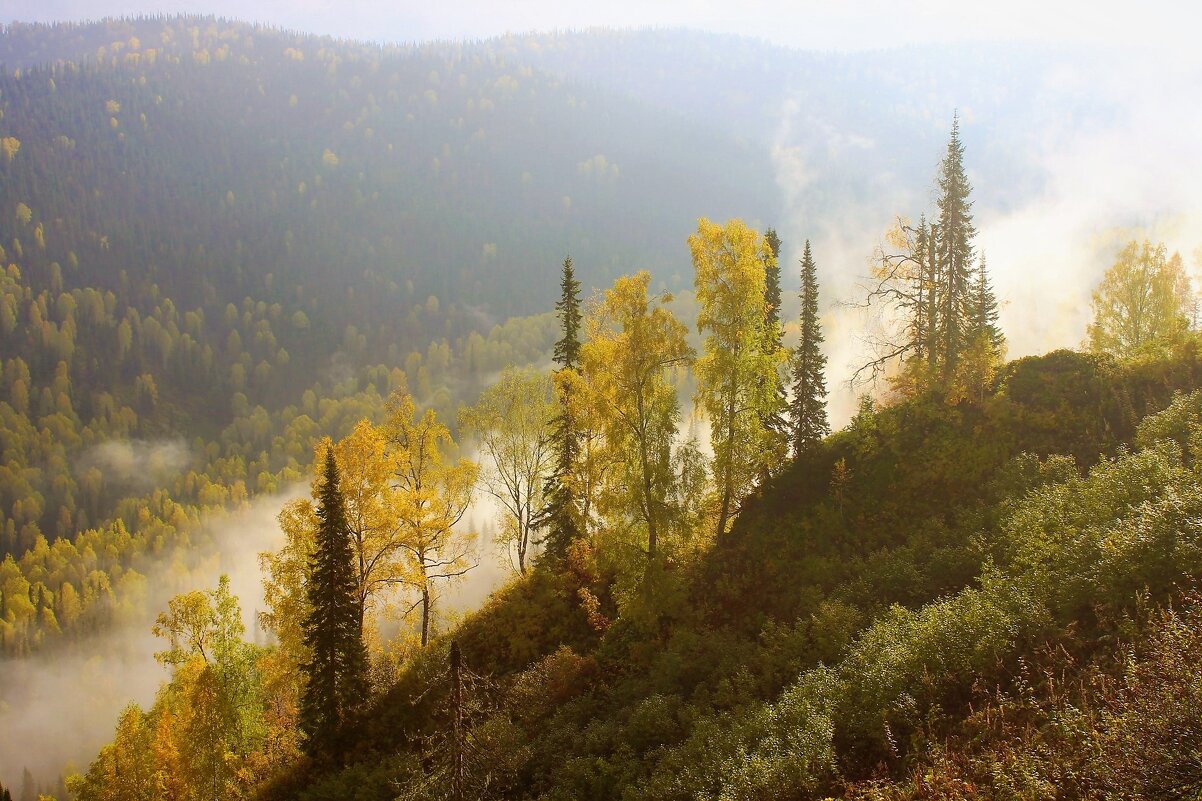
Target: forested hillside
336 168
211 230
241 263
929 605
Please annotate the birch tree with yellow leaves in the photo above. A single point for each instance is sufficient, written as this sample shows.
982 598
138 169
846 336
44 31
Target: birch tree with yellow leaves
736 375
402 501
368 464
433 493
1143 298
635 345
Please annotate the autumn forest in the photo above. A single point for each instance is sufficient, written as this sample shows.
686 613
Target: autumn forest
618 414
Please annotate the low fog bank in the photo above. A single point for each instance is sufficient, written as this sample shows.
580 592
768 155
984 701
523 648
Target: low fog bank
1123 164
59 707
134 464
56 710
496 564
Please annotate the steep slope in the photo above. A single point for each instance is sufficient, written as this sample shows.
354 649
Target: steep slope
845 627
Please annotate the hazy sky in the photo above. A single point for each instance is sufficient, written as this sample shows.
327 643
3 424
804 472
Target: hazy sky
803 23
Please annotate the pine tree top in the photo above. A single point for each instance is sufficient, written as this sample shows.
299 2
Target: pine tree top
772 288
773 240
811 328
567 350
331 499
954 203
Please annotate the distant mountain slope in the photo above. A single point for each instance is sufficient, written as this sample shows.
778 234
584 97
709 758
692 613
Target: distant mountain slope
847 130
218 153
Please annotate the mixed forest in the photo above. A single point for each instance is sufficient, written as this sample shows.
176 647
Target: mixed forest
981 587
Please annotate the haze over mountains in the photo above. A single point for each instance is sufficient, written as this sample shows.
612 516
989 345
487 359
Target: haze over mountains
464 171
229 240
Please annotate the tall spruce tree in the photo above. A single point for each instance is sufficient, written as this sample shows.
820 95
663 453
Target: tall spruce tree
774 334
560 518
337 667
808 409
955 249
983 310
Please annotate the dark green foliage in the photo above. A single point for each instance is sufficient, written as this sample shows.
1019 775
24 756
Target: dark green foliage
772 278
774 333
954 246
336 673
808 406
925 310
983 311
5 795
561 518
567 348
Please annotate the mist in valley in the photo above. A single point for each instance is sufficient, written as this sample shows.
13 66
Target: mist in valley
59 706
1071 155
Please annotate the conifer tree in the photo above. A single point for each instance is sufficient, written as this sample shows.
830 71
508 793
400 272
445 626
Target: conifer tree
985 344
774 335
560 517
337 668
922 301
983 310
931 276
567 349
808 410
955 251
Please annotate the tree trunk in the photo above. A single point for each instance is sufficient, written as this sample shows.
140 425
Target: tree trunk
727 478
425 613
523 540
648 501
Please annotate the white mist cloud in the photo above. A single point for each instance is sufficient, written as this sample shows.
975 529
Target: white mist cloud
136 464
59 707
1133 173
1141 177
494 565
